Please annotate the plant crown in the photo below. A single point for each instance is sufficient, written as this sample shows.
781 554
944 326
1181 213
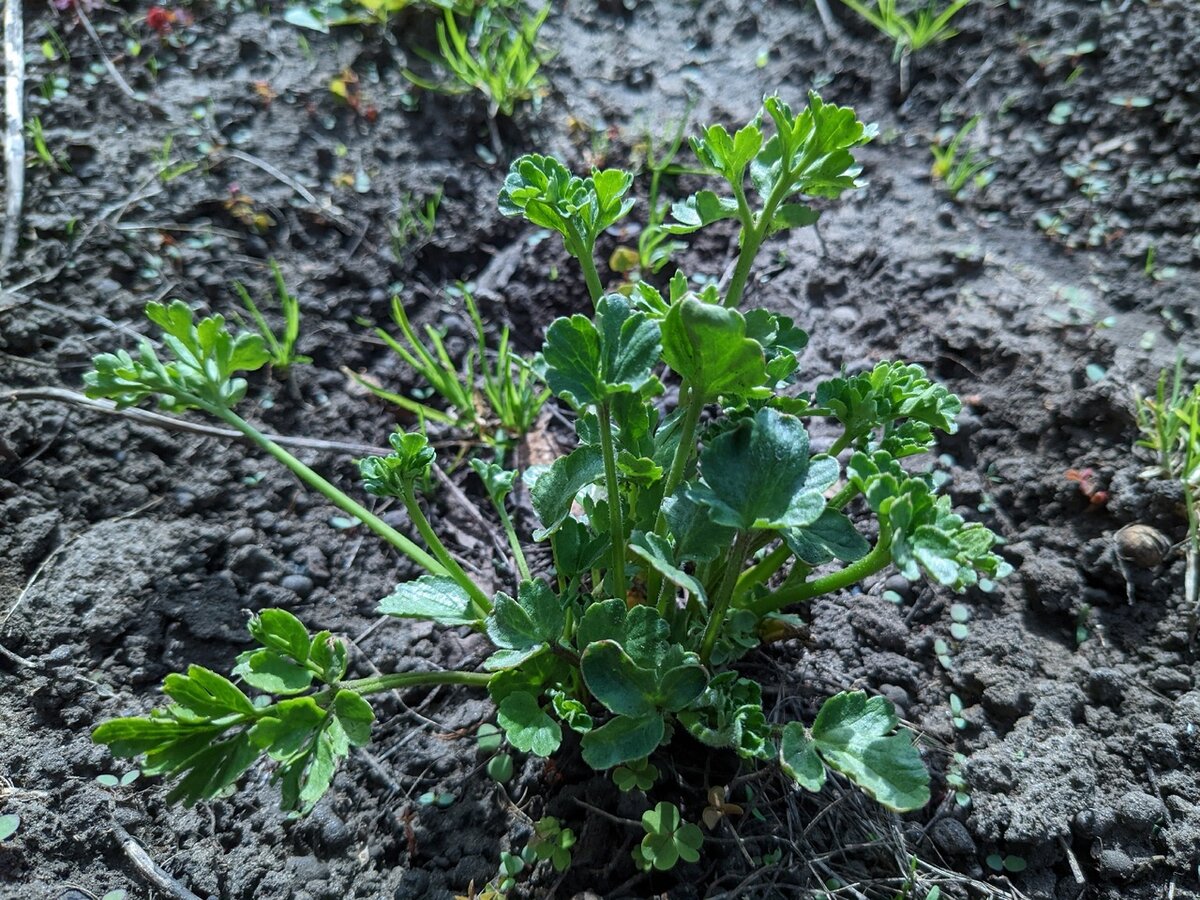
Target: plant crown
680 532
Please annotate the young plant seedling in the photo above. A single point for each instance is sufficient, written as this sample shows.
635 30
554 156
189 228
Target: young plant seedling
492 55
911 32
954 168
675 547
1169 423
281 348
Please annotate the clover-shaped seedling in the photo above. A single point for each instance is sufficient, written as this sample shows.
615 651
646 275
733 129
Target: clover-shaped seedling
668 839
553 842
719 807
637 773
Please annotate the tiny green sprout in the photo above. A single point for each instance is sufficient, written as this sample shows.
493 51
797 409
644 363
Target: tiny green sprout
440 799
955 168
112 781
281 347
668 839
115 895
639 774
956 712
552 842
489 738
500 768
8 826
1008 863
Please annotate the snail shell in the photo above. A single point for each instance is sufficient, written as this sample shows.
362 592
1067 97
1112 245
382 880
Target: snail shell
1141 545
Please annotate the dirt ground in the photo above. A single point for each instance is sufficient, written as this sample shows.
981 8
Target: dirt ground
1043 299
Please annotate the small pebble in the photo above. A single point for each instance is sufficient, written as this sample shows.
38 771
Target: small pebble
301 585
241 537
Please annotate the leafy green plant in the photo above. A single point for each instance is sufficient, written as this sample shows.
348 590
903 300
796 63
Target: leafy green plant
492 55
415 222
281 348
494 394
910 31
668 839
954 168
676 547
1169 424
43 155
552 842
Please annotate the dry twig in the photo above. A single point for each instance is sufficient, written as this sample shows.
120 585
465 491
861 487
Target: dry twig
14 132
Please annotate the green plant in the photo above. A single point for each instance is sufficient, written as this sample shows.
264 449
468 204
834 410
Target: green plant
168 167
415 222
675 546
492 55
1169 424
504 406
552 842
910 31
637 773
668 839
955 170
43 155
8 826
280 348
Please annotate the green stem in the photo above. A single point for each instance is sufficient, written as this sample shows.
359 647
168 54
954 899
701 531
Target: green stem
839 500
720 603
334 495
752 237
879 557
513 543
841 444
693 407
479 599
616 586
399 681
763 569
591 276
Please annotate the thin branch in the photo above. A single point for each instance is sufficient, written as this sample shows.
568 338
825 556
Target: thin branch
14 133
148 868
171 423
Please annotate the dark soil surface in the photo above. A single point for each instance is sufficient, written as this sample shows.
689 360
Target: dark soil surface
127 552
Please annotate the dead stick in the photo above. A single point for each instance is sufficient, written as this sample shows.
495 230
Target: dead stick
108 63
146 417
14 133
148 868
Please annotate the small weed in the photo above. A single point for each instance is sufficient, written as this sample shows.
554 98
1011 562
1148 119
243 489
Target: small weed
911 32
42 153
415 222
8 826
281 347
954 168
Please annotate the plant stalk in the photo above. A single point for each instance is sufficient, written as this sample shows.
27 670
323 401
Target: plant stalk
616 527
877 559
479 599
720 603
399 681
333 494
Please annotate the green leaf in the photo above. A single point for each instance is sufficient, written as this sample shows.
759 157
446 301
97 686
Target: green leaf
207 694
755 474
355 716
697 537
798 757
278 629
8 826
535 618
527 725
855 735
272 672
668 838
329 655
556 488
617 681
394 474
497 480
585 363
214 769
542 190
621 740
658 553
438 599
793 215
700 209
831 536
707 345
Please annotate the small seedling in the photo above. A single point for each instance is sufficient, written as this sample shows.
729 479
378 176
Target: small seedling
42 152
1009 863
668 839
1169 424
552 842
280 347
491 55
639 774
500 768
911 32
113 781
440 799
954 168
415 222
8 826
718 807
